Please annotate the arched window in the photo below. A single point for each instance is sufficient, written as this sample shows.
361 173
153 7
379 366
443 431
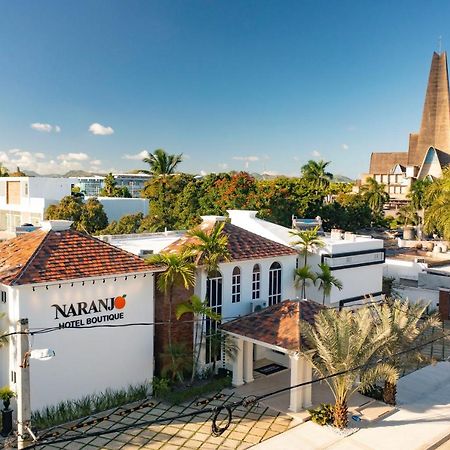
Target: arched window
236 285
256 282
274 283
214 298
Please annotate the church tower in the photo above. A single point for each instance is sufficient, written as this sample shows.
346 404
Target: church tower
435 126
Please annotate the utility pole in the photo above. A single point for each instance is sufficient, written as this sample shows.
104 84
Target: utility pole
23 385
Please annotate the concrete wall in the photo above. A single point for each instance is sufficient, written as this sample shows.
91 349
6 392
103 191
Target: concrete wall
398 268
115 208
428 280
418 295
87 360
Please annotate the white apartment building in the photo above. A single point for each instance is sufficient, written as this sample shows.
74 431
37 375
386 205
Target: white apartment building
25 199
135 182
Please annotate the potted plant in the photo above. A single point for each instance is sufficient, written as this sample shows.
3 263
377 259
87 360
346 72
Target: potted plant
6 394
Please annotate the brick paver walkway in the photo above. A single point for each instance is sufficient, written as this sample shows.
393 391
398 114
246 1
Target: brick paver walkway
249 426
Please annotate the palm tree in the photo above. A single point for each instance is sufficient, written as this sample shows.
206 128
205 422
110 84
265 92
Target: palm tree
302 276
3 171
346 341
308 241
179 268
315 172
407 215
211 248
437 215
407 323
375 195
161 163
327 281
417 196
200 310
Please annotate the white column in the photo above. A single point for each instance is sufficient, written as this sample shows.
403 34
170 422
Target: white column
248 362
238 364
296 395
23 385
307 376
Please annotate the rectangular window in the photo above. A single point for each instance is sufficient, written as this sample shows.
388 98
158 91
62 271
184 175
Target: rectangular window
236 288
274 286
214 298
256 285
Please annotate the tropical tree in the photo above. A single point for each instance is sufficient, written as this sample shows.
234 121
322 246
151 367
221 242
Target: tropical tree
308 241
179 269
437 215
110 188
211 248
375 195
417 196
315 172
407 215
302 276
407 324
200 311
222 342
3 171
347 341
327 281
161 163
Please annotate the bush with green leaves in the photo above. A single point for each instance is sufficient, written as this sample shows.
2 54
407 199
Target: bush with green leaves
161 387
6 394
323 414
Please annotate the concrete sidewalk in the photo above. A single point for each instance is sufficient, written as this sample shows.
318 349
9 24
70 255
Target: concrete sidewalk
421 421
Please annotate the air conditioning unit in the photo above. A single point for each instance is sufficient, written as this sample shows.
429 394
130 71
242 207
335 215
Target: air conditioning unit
258 305
143 253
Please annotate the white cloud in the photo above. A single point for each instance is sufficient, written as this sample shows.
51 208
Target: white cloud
73 157
246 158
100 130
223 166
40 162
45 127
138 156
316 154
345 147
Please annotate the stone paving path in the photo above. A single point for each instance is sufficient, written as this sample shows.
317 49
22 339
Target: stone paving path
249 426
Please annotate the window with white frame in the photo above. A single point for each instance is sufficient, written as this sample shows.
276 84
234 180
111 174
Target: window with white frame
274 283
236 285
214 299
256 282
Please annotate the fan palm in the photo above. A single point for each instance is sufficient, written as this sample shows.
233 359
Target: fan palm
407 323
315 172
308 241
327 281
200 310
162 163
346 341
375 195
302 276
179 268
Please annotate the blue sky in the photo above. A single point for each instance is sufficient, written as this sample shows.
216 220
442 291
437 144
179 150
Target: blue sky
263 85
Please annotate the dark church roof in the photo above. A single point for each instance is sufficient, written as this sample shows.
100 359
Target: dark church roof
384 162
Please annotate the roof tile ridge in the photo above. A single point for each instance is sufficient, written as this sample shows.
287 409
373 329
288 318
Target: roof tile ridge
31 258
113 247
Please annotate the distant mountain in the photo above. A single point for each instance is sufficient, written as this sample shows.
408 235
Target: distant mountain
342 179
81 173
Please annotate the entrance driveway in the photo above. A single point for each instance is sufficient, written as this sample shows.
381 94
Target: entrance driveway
249 426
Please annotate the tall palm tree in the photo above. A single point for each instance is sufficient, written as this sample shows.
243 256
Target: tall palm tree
437 215
315 172
200 310
344 340
407 215
179 268
327 281
308 241
375 195
302 276
407 323
211 248
161 163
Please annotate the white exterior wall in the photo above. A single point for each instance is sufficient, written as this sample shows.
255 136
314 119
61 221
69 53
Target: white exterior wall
36 194
398 268
418 295
116 207
87 360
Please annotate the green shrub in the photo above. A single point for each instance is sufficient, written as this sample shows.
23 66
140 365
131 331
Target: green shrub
6 394
161 387
70 410
322 415
375 392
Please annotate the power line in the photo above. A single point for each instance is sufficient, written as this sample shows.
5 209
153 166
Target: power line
248 401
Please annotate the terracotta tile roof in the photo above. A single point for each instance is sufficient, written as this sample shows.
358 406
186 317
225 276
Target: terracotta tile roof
242 244
41 257
382 163
276 325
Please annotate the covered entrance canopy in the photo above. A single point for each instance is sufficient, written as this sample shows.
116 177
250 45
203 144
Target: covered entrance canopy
277 328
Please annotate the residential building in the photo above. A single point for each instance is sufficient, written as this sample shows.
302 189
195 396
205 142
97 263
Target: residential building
429 149
134 182
64 280
354 259
25 199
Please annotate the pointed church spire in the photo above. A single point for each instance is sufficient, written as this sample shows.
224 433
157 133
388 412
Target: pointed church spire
435 127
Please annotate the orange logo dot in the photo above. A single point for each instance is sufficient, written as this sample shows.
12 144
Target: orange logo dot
120 302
